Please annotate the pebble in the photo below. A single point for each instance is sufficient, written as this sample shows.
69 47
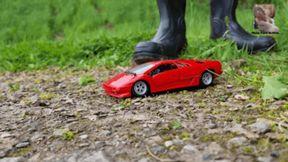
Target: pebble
178 142
59 132
275 154
2 154
99 144
105 133
84 145
22 144
242 97
157 149
189 149
260 126
265 159
87 156
34 99
237 141
229 86
143 160
211 125
84 136
154 140
37 137
168 143
6 135
250 105
12 159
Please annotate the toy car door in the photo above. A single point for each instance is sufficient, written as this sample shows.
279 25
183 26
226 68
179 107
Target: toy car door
188 73
165 77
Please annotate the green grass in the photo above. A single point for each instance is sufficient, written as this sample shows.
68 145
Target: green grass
92 33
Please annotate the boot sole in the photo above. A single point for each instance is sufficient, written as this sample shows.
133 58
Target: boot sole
141 58
264 49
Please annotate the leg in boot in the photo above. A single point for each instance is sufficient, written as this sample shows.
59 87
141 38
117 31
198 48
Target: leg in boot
235 32
170 38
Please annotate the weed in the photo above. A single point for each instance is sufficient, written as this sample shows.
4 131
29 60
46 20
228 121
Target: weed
86 80
20 152
176 124
46 96
68 135
13 87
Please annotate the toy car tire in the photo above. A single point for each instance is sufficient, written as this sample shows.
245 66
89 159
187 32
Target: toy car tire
140 89
206 79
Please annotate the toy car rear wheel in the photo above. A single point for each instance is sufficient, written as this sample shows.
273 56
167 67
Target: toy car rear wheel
206 79
140 89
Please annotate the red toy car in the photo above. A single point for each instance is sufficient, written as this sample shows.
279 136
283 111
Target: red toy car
161 76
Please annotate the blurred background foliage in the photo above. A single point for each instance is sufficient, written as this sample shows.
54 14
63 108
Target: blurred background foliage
39 33
59 19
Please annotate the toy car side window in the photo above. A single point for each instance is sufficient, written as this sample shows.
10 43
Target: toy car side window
163 68
182 65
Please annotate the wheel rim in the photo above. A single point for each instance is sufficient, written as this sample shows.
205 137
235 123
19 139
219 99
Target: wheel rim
140 88
207 78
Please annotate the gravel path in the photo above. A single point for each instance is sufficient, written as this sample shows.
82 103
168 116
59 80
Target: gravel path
47 116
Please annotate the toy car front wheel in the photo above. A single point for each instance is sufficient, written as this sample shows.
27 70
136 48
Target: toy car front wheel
206 79
140 89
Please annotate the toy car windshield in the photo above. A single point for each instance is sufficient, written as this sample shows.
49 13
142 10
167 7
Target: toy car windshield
140 69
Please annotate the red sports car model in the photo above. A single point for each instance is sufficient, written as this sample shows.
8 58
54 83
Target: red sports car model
161 76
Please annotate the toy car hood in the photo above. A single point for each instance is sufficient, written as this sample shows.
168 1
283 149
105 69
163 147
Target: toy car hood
120 80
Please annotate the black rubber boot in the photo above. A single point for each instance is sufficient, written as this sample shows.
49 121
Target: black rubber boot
170 38
222 8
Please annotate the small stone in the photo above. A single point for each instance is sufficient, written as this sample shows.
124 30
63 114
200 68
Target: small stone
99 144
59 132
242 97
84 136
105 133
224 160
260 126
136 100
143 160
207 157
36 137
236 64
93 156
168 143
12 159
178 142
237 141
189 149
91 117
84 145
214 148
157 149
6 135
229 86
34 158
211 125
250 105
275 154
265 159
241 131
34 99
2 154
22 144
154 140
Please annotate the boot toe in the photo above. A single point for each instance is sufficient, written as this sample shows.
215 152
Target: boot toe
148 47
147 51
264 43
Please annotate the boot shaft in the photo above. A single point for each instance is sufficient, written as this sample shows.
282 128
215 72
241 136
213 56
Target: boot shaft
172 19
168 8
171 12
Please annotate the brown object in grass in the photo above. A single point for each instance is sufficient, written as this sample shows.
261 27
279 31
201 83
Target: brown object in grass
264 17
